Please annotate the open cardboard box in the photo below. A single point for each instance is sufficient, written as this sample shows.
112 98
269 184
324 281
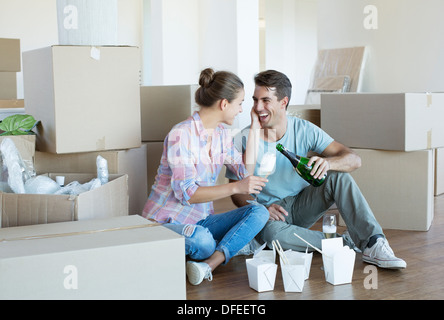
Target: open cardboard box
262 270
339 261
109 200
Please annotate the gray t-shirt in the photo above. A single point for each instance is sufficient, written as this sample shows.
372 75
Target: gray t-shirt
300 138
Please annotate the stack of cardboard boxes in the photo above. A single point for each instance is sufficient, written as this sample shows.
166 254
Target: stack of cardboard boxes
10 65
94 245
399 138
161 108
88 103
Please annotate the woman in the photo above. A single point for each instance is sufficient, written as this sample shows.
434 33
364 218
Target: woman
193 155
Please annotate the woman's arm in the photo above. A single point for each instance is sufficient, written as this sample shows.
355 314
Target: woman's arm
246 186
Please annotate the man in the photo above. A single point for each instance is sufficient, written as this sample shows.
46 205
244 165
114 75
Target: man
293 204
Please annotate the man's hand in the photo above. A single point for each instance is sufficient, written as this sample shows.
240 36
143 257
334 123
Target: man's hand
277 212
320 166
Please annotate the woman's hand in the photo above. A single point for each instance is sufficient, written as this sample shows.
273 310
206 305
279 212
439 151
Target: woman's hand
250 185
255 123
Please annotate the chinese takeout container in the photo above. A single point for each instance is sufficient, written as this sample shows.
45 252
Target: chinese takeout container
262 270
296 271
338 260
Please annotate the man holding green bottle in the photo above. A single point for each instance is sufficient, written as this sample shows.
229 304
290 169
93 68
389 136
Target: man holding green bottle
295 205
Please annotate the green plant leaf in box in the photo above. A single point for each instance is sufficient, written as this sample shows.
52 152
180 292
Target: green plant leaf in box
18 124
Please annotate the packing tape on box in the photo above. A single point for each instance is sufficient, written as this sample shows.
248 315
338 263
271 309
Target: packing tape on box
68 234
429 99
429 139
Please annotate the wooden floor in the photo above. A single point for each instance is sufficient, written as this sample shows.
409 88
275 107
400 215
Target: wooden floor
423 278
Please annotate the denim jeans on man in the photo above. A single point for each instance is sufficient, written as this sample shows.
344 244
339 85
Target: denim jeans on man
226 232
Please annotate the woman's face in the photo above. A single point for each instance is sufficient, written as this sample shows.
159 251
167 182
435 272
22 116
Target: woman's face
234 108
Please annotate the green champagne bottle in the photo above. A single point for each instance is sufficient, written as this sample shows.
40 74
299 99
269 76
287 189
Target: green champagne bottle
300 165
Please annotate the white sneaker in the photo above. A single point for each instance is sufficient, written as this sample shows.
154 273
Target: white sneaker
382 255
197 272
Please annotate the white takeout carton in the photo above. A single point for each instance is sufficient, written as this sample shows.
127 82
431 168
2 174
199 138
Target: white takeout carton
293 274
297 271
305 257
262 270
339 261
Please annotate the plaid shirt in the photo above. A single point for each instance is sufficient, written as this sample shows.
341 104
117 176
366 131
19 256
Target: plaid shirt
184 166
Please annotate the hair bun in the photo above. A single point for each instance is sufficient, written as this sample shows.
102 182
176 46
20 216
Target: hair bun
206 77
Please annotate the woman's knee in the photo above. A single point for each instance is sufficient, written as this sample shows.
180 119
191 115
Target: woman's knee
201 242
260 214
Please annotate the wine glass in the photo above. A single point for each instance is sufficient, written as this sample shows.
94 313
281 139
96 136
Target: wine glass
266 167
329 225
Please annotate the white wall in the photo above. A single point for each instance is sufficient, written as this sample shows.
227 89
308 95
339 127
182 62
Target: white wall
229 40
185 37
405 52
291 41
171 37
35 24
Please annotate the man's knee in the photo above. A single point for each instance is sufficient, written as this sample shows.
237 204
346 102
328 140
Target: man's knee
271 231
337 176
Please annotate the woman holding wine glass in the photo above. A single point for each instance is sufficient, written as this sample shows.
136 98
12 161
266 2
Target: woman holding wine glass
184 190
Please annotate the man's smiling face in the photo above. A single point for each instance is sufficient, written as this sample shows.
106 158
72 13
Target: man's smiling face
270 110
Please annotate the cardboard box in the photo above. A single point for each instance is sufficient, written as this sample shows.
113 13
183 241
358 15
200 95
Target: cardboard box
154 153
109 200
87 22
439 171
8 85
115 258
17 105
387 121
87 98
398 186
340 62
10 55
162 107
308 112
132 162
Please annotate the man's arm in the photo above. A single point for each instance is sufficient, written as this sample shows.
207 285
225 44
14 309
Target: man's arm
336 157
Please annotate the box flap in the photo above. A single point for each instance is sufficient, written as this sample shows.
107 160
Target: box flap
114 200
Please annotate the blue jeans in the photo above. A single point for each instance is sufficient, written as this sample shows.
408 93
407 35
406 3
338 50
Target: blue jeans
225 232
